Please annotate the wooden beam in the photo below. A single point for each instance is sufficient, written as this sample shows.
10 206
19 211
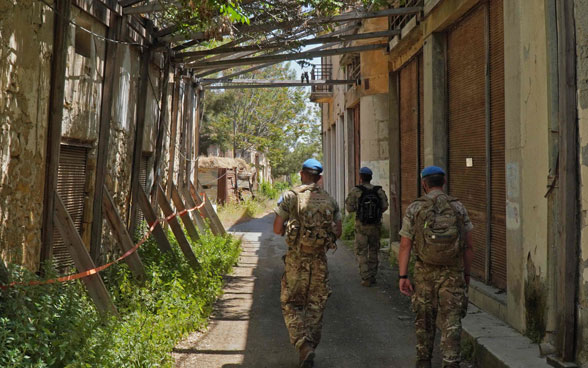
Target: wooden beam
176 98
104 136
215 224
183 164
151 7
279 81
177 230
162 124
149 213
291 44
196 215
268 85
125 3
568 188
82 259
179 204
139 134
121 234
292 56
56 99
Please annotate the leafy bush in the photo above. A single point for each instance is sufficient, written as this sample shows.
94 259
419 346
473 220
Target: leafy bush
348 227
57 325
267 189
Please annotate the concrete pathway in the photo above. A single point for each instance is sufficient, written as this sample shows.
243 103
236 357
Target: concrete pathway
363 327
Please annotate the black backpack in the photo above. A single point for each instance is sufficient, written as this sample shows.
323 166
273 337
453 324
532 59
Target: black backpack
369 209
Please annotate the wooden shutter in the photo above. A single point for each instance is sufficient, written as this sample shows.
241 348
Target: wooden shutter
421 101
71 186
409 134
466 59
356 142
497 146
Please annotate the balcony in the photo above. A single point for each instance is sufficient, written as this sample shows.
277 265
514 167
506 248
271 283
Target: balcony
321 92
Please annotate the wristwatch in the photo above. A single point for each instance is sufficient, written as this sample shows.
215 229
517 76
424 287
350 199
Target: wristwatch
402 276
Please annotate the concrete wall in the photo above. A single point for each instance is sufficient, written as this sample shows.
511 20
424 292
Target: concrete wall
527 158
581 21
26 38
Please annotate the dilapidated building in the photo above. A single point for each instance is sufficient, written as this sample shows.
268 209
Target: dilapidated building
494 92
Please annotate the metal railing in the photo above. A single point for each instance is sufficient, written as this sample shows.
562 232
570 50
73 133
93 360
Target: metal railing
399 21
322 72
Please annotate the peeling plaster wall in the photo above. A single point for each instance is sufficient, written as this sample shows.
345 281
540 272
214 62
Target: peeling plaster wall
527 151
26 39
581 21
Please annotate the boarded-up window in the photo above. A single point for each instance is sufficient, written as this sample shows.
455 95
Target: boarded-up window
71 187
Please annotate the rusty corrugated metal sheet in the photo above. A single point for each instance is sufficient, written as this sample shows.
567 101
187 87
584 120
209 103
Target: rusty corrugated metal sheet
409 137
497 137
466 120
71 187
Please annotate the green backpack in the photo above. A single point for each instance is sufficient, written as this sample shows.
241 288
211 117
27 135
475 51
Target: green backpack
438 231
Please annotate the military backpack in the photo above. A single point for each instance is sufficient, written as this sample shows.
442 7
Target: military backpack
438 231
369 206
311 228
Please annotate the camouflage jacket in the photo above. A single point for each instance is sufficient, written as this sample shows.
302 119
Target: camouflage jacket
352 200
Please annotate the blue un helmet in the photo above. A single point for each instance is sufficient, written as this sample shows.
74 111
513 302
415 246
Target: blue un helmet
365 171
432 170
312 166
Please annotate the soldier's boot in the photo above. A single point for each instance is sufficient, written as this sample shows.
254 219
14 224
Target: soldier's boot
306 358
423 363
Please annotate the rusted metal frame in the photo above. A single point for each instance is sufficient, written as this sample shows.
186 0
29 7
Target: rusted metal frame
215 224
162 125
292 56
124 240
177 230
104 135
176 98
305 42
82 259
568 176
139 133
180 206
488 143
56 98
158 232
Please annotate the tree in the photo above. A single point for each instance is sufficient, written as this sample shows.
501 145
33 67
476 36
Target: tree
276 121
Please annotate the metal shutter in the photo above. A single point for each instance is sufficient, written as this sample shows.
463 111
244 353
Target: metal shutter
466 120
409 135
497 146
71 187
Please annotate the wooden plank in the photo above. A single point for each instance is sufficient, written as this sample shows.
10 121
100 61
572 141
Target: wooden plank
291 56
56 98
270 85
83 261
162 124
158 232
176 98
122 236
568 190
183 164
196 215
179 203
177 230
151 7
139 134
104 136
216 226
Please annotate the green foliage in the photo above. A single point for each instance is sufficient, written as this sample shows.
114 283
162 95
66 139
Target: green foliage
273 191
276 121
348 227
57 325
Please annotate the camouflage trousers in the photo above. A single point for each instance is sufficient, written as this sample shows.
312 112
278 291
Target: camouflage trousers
367 246
440 298
304 295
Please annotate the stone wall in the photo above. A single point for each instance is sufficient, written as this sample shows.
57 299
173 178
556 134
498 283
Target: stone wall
26 38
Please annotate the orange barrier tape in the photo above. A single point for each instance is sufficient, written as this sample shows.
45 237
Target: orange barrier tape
93 271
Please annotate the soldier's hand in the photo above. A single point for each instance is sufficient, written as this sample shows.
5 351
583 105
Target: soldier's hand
405 287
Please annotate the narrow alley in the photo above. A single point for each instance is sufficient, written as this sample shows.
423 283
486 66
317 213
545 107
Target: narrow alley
363 327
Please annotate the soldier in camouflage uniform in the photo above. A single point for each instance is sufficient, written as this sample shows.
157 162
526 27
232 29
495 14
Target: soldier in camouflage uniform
367 236
440 291
313 223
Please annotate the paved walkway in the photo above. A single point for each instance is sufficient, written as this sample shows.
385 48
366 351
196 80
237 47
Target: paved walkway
363 327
